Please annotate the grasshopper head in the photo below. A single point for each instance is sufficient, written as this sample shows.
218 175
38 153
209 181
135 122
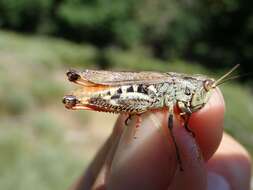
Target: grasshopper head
202 94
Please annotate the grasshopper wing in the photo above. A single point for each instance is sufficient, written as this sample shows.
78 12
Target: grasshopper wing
110 78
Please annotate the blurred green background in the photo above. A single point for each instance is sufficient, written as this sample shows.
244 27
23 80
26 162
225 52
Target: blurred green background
45 146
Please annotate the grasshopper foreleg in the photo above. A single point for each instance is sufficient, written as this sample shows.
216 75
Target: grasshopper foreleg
185 114
186 124
170 126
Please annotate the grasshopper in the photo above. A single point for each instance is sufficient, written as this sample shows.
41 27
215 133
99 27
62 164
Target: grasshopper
134 93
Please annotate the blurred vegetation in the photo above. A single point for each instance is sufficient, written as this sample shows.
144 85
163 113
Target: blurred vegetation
215 33
40 141
45 146
33 133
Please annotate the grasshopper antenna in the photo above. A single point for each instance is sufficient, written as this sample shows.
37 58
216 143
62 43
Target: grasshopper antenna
223 79
234 77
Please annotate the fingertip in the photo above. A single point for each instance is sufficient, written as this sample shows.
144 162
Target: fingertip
207 124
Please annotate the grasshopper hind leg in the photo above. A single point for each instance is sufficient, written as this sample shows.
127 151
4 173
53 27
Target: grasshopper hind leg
138 120
170 126
129 117
138 123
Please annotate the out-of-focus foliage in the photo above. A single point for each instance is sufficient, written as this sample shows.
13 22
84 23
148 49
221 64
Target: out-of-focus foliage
46 146
217 33
101 22
40 142
24 15
226 36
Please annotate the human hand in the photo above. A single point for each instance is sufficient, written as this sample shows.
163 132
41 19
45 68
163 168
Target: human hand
149 161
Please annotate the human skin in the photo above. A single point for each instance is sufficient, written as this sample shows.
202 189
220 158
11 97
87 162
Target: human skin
145 158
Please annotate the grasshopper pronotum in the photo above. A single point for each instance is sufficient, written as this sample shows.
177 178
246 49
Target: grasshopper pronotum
137 92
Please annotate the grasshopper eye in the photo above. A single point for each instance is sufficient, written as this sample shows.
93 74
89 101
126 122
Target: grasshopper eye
208 84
